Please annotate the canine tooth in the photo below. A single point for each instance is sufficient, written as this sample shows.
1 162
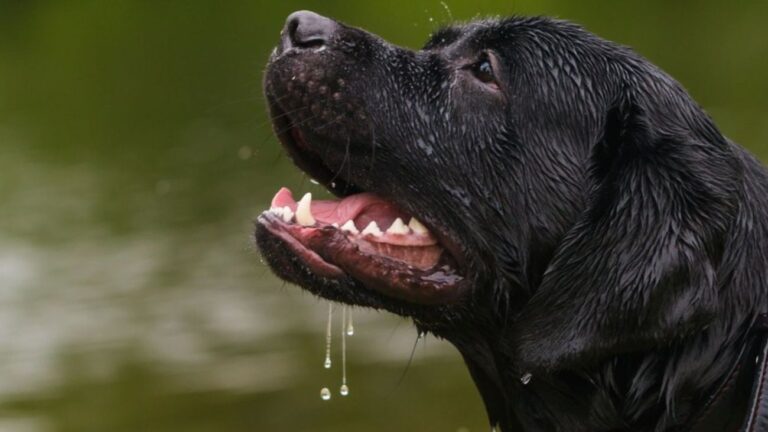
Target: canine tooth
398 227
372 228
350 226
287 214
304 211
417 227
335 225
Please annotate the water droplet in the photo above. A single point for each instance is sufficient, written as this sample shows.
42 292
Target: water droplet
325 394
350 326
447 9
328 337
333 184
314 182
245 153
344 330
526 378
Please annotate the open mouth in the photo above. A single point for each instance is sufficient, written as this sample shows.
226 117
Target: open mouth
360 235
367 238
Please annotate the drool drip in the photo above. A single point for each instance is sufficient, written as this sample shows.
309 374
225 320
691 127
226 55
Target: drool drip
347 329
325 394
350 327
328 337
345 325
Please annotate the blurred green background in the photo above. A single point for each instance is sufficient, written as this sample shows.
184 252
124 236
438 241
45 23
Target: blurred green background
134 155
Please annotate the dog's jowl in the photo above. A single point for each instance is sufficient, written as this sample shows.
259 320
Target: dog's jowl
551 203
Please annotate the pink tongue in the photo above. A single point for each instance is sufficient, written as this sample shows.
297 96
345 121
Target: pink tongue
362 208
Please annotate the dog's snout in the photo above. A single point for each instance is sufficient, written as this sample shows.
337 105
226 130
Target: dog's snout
306 29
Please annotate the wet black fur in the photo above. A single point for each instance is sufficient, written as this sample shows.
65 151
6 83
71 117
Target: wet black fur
615 240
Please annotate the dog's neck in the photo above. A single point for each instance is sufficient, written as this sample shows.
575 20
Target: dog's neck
649 385
613 393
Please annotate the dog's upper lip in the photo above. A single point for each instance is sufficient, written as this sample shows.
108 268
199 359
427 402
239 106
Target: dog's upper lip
313 166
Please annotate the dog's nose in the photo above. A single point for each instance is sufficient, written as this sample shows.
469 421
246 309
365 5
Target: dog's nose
307 29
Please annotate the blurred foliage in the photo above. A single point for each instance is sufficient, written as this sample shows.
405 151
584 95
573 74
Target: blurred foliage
135 151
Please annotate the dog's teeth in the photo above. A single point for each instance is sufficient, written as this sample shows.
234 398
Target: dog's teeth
398 227
350 226
335 225
287 214
304 211
373 229
417 227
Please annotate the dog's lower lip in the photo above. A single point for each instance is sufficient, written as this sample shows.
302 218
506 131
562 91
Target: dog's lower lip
311 258
327 252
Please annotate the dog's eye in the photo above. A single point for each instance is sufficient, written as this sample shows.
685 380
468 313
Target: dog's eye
482 69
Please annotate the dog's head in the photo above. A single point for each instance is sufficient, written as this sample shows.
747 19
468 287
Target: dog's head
569 199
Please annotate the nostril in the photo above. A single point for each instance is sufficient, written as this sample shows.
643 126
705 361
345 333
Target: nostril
290 29
307 29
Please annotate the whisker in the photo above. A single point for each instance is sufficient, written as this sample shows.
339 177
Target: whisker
410 360
349 165
343 162
280 154
373 148
291 126
325 125
281 115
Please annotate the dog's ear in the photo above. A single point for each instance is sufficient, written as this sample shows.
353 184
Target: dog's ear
639 268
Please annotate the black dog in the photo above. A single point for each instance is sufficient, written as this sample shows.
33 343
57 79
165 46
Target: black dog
551 203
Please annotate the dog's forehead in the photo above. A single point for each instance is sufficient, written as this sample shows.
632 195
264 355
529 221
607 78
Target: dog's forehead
443 37
473 34
497 34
